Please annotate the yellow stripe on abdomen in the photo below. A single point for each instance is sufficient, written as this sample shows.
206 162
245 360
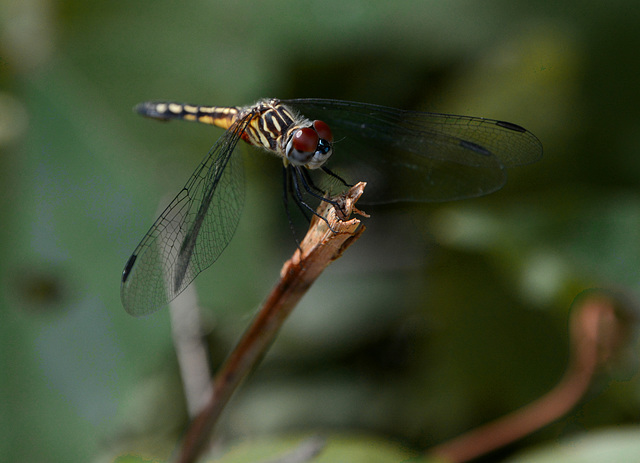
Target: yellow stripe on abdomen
220 116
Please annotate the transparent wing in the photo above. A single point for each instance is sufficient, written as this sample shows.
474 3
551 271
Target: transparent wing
419 156
192 231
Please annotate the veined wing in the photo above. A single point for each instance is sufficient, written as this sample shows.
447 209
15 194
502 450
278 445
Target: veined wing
419 156
192 231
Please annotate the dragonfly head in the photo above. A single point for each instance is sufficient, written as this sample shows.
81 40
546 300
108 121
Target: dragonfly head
310 146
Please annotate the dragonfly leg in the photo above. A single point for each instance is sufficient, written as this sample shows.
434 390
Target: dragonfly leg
309 180
296 178
291 191
309 186
287 191
328 171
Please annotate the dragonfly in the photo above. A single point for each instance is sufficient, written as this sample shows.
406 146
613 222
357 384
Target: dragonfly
403 155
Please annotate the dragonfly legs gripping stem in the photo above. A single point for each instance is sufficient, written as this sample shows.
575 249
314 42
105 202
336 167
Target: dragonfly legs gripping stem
294 176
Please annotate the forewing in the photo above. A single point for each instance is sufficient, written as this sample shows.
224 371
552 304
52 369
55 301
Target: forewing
192 231
410 155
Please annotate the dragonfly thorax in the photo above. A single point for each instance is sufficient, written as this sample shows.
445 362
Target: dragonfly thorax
310 146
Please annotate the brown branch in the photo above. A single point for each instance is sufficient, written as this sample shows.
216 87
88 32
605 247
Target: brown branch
318 249
596 333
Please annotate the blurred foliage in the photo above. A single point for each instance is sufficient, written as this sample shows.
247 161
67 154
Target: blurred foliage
619 444
351 448
441 318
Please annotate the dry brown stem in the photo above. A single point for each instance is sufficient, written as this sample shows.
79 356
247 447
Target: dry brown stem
321 246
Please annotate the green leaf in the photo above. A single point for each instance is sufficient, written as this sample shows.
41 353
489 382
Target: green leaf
612 446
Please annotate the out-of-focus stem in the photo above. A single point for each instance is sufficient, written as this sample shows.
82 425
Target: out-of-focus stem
594 331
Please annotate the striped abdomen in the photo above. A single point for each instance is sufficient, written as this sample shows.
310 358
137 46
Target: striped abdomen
270 126
219 116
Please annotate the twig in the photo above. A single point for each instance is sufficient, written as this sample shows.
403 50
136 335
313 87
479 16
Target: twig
317 250
596 333
188 342
191 351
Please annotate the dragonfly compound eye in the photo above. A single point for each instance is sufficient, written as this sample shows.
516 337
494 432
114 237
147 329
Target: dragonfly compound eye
323 131
303 146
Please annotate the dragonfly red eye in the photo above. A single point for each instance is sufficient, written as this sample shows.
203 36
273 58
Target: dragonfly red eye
323 130
305 140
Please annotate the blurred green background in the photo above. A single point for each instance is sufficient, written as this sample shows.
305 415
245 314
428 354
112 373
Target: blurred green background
441 318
